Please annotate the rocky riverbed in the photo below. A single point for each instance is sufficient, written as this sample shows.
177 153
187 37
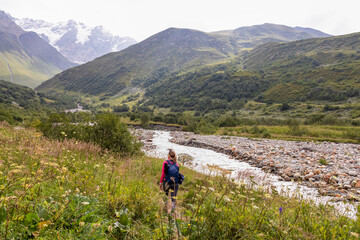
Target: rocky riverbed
333 168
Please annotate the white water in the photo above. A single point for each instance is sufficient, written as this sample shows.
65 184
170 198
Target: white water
241 171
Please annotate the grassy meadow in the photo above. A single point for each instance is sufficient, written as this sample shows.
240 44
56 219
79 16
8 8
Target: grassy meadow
74 190
349 134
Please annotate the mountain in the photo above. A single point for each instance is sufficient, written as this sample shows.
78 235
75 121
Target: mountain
252 36
76 41
312 31
317 70
25 57
167 51
171 50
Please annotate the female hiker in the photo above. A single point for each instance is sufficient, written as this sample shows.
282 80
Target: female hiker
170 178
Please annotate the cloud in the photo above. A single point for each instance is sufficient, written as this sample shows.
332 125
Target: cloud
142 18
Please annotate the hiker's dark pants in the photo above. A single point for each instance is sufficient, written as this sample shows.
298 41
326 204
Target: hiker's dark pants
173 186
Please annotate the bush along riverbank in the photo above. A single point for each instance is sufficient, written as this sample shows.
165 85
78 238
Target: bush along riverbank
71 189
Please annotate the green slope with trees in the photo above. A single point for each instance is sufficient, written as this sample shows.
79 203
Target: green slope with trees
20 104
324 69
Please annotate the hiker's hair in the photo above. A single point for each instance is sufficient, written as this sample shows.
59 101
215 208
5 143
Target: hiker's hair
172 155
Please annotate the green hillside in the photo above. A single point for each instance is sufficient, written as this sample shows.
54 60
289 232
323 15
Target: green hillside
316 69
323 69
170 50
157 57
25 70
20 104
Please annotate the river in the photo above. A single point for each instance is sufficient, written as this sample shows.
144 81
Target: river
241 171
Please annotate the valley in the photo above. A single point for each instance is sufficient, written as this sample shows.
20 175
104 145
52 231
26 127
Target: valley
267 121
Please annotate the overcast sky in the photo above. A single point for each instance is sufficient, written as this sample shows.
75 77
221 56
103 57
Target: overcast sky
142 18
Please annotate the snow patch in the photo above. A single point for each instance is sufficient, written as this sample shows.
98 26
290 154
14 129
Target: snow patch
53 31
115 48
83 33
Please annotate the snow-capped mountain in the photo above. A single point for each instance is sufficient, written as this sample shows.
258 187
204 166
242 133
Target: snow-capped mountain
26 58
76 41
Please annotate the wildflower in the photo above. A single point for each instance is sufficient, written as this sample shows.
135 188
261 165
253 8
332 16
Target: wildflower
81 224
267 196
354 234
96 225
280 210
110 228
44 224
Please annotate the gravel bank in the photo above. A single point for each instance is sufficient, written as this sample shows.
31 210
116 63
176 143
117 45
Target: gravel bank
333 168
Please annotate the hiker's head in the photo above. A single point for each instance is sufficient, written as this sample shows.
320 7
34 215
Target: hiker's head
172 155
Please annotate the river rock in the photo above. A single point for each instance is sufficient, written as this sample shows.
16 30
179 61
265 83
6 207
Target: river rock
309 175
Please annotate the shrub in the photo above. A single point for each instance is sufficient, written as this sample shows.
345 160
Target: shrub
122 108
256 130
107 131
112 134
227 121
266 134
144 118
284 107
295 128
331 108
323 161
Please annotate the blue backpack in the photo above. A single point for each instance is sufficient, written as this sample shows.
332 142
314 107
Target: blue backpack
172 172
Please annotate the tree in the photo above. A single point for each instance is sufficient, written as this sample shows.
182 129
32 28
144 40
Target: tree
144 118
284 107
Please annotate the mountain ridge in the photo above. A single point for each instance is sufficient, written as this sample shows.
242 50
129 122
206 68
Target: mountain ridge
76 41
25 57
168 51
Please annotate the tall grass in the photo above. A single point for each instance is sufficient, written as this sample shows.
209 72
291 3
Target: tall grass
74 190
